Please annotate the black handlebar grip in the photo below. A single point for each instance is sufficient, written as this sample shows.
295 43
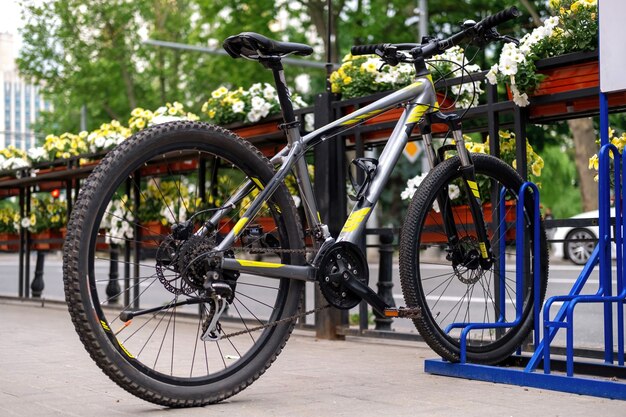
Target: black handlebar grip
366 49
500 17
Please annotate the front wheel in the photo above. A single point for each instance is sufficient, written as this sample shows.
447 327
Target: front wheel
139 282
453 290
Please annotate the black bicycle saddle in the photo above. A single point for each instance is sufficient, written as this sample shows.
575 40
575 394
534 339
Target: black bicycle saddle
254 46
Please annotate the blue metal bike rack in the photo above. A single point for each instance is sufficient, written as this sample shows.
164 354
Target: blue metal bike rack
564 319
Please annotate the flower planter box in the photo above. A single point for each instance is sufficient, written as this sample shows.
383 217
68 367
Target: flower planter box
152 233
9 242
570 73
44 240
170 168
261 131
463 215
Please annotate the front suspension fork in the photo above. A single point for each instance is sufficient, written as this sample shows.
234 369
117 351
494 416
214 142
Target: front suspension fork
471 186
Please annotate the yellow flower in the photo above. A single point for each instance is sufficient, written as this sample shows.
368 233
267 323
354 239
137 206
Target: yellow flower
536 169
171 111
514 164
211 113
219 92
347 80
140 124
335 88
368 66
137 112
594 162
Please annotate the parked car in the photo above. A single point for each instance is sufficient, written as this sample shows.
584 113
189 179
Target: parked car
577 242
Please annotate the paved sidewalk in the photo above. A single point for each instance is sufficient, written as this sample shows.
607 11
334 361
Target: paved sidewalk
45 371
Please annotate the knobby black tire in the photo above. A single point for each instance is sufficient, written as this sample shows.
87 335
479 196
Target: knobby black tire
411 244
78 248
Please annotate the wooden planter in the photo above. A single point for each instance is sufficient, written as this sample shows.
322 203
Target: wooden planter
152 233
170 168
571 73
43 239
260 132
9 242
433 225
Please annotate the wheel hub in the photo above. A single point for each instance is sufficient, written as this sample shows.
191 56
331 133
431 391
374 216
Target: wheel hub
469 271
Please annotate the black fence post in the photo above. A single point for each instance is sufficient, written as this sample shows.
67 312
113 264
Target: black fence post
37 285
385 278
113 287
330 191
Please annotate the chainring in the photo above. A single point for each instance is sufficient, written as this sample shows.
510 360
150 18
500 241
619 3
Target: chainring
342 261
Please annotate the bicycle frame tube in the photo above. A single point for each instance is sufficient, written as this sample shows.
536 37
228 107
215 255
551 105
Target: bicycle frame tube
420 97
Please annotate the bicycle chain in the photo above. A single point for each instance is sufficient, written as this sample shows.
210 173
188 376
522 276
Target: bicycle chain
286 319
276 323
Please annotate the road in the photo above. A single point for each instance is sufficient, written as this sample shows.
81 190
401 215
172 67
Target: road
588 324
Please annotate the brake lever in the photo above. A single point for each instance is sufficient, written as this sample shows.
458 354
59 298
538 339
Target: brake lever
509 39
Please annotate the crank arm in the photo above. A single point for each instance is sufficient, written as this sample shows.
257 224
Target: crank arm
377 303
128 315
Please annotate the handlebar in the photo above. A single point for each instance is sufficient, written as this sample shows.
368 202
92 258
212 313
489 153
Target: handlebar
481 30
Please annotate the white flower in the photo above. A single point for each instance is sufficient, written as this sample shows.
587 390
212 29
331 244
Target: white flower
157 120
519 99
238 107
25 223
256 89
453 191
309 122
269 92
254 115
257 103
36 153
508 68
412 185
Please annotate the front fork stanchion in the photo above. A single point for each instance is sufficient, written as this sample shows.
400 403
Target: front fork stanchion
471 186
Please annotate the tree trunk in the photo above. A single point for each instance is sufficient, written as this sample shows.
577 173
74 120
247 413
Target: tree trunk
584 147
319 18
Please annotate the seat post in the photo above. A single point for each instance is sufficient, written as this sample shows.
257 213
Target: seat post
282 90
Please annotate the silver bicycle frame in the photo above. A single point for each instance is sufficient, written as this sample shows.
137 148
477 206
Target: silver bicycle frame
418 98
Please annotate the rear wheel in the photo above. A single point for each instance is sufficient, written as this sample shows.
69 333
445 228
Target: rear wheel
139 285
448 283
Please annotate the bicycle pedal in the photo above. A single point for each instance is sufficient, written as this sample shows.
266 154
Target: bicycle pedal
404 312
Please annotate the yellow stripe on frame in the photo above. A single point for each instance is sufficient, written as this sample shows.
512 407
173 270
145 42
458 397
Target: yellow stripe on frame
258 264
355 220
474 187
240 225
483 250
417 113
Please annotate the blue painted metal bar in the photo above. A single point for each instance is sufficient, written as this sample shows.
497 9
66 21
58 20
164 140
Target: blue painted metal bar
542 351
605 235
520 233
585 386
502 260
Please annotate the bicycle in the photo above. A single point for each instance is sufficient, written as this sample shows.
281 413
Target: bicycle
217 316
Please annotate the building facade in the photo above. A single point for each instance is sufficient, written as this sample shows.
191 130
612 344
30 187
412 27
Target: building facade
20 102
